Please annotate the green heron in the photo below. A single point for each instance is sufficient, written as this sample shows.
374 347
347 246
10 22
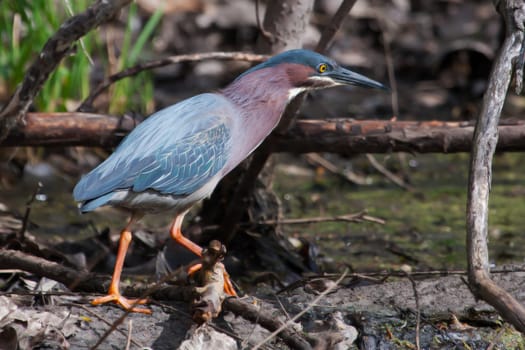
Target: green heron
176 157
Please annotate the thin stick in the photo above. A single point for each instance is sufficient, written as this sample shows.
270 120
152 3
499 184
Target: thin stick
269 36
70 12
356 217
246 341
480 170
148 65
128 339
29 204
389 66
335 23
88 310
349 176
388 174
418 310
311 305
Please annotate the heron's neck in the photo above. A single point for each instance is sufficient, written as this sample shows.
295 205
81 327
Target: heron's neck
262 96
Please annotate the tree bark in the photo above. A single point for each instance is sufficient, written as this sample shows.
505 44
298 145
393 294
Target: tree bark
343 136
284 24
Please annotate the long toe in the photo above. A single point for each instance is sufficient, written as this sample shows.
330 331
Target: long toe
126 304
228 285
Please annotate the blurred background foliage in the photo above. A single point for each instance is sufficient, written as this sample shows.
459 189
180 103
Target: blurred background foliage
26 25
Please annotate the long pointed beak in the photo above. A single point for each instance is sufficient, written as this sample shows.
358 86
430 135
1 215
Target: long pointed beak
347 77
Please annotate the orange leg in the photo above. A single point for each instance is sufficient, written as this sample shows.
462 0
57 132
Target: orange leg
176 234
114 292
228 285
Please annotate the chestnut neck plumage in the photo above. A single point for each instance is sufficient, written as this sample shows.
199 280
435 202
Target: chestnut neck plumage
261 98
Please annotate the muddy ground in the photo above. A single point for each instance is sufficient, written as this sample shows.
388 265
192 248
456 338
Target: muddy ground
378 315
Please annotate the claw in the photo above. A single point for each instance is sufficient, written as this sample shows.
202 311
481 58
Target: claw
228 285
125 303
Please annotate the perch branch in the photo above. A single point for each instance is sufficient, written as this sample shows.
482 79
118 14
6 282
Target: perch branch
483 147
344 136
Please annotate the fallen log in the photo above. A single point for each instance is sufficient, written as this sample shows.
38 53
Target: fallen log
344 136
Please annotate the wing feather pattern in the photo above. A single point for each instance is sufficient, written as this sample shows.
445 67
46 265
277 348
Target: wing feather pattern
175 151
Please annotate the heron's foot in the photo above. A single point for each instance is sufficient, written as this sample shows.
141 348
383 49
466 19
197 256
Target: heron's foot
125 303
228 285
211 261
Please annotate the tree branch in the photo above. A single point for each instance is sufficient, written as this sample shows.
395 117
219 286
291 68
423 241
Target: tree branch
333 26
343 136
483 147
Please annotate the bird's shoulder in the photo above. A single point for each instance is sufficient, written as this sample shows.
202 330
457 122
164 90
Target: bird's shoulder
187 117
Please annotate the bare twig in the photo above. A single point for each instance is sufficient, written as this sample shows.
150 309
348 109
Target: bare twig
29 204
97 315
480 172
263 31
388 174
148 65
266 320
55 49
296 317
385 275
349 176
333 26
418 309
389 65
355 217
246 340
111 329
70 12
128 338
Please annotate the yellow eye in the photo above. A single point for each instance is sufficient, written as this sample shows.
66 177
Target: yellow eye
322 67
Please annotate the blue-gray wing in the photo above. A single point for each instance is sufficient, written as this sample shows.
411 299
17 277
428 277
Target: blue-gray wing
175 151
